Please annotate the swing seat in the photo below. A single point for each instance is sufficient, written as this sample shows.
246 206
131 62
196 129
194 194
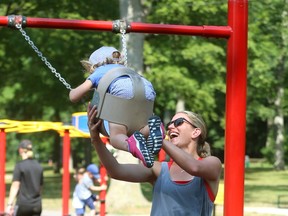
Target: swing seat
133 113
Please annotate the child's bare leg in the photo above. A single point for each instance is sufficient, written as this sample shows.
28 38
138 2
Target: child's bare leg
118 136
145 131
135 144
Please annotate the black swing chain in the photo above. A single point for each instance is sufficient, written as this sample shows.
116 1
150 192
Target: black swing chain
53 70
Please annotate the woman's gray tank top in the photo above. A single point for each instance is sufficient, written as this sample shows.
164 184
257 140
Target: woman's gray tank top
173 199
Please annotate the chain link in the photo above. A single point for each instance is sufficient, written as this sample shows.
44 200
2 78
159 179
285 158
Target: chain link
43 58
124 45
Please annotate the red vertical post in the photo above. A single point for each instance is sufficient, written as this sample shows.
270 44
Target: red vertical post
102 194
236 84
103 174
66 173
2 169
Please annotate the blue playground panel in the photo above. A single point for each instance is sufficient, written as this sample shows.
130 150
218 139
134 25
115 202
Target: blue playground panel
79 120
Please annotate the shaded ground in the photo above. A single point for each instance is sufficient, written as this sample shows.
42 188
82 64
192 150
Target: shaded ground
249 211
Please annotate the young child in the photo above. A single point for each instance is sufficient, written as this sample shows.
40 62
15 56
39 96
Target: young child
77 203
85 187
100 62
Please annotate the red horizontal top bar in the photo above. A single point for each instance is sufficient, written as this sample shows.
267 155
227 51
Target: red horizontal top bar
69 24
205 31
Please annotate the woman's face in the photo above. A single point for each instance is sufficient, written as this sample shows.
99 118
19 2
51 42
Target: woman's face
180 130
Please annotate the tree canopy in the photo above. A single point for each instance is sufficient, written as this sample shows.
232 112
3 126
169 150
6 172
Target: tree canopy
187 67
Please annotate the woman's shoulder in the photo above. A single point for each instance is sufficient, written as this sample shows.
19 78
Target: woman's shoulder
213 159
157 167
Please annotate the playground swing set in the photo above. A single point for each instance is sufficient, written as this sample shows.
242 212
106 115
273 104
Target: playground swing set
235 33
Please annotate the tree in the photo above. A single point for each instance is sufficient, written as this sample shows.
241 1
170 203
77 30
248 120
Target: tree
29 91
189 68
267 72
280 76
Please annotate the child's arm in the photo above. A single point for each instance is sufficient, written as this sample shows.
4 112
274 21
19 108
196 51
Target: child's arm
98 188
76 94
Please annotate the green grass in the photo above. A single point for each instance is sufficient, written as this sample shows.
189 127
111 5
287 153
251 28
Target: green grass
262 187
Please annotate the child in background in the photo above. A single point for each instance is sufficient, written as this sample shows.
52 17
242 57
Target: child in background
77 203
100 62
86 186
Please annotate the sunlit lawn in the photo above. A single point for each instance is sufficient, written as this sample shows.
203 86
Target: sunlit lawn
263 185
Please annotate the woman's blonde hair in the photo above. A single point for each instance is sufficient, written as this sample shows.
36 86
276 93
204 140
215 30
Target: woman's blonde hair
116 59
203 147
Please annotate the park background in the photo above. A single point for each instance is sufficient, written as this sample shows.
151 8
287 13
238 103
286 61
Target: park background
186 72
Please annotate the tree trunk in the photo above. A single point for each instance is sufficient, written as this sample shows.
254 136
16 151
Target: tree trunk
125 197
57 154
269 145
180 106
131 10
279 116
279 127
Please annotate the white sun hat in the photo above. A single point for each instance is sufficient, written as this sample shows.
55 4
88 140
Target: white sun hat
100 55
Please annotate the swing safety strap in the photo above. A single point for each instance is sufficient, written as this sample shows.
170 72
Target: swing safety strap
133 113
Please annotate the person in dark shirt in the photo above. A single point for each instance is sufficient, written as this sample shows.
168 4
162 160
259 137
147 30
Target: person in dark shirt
26 184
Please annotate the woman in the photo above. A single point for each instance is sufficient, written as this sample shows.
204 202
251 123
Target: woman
186 186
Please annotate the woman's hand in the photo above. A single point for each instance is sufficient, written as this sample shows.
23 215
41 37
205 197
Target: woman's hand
93 122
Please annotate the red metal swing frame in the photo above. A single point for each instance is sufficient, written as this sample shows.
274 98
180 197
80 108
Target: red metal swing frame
236 83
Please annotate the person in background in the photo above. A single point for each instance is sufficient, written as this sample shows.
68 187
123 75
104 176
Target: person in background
85 188
26 184
100 62
77 203
188 184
